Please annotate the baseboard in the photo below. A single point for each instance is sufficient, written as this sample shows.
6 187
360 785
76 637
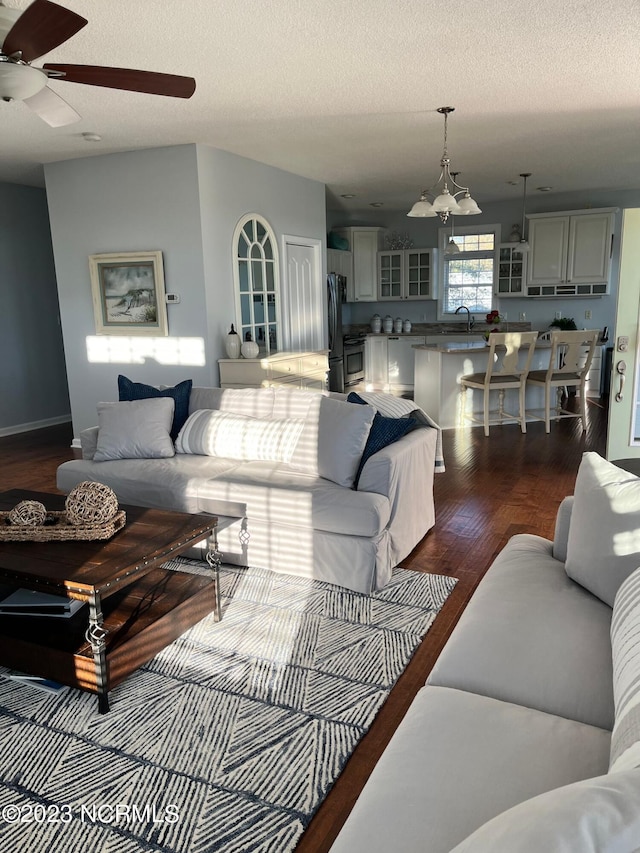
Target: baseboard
13 430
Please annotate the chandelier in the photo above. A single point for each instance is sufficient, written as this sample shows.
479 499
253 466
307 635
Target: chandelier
445 202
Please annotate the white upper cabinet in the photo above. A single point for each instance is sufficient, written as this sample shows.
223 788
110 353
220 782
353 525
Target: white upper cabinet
570 253
406 274
340 263
364 243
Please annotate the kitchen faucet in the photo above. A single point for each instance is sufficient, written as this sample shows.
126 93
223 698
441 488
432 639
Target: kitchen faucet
470 318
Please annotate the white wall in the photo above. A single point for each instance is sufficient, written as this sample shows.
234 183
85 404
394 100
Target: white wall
184 201
33 382
539 311
230 187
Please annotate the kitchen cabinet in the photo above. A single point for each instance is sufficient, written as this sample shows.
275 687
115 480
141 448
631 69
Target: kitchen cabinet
340 263
406 274
400 359
292 369
376 361
389 361
512 264
570 253
365 241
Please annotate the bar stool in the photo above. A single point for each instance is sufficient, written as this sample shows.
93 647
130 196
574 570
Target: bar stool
569 362
505 370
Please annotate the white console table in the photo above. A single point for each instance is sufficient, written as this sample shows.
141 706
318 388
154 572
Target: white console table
291 369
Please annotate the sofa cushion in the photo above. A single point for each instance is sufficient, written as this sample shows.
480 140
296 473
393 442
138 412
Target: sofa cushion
254 402
281 495
134 430
459 759
269 492
625 644
232 436
598 815
531 635
603 547
129 390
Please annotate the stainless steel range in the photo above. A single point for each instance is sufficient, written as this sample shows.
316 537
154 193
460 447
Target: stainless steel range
353 359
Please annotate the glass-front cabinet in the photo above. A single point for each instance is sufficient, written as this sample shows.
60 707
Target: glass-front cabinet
390 274
406 274
257 276
512 268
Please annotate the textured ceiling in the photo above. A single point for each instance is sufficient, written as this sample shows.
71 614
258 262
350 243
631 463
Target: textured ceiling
346 93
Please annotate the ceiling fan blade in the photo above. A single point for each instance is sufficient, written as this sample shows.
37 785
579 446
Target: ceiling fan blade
52 108
150 82
42 26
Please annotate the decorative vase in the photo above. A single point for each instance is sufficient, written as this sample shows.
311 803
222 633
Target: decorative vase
250 349
232 344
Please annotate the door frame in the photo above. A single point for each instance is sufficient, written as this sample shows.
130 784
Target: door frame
621 412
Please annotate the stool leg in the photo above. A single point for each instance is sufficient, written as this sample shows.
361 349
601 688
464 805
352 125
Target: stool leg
485 401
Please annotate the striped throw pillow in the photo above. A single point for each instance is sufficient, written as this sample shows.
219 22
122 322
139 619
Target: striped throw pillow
625 646
209 432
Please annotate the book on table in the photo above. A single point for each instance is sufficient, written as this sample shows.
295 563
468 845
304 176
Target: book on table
29 602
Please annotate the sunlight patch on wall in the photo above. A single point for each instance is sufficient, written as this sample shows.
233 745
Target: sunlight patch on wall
119 349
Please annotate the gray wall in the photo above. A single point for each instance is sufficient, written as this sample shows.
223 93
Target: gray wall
184 201
33 382
539 311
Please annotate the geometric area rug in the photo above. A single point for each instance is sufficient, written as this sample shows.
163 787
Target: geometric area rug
229 739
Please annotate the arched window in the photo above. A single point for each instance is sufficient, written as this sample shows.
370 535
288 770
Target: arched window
256 281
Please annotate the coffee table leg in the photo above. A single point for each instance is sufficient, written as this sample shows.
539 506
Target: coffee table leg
96 637
214 558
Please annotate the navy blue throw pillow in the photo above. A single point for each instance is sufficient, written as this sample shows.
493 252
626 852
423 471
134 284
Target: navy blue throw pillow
180 393
384 431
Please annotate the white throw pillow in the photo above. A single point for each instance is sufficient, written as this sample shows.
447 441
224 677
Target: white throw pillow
138 429
625 647
604 534
232 436
599 815
343 430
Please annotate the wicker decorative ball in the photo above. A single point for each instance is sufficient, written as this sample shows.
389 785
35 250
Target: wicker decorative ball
28 512
91 503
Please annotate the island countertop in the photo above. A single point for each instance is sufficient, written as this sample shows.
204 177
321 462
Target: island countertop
466 346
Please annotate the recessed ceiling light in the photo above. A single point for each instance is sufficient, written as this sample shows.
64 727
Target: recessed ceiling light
91 137
348 195
376 203
545 189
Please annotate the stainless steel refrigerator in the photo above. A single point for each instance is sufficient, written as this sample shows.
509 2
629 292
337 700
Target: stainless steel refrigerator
336 293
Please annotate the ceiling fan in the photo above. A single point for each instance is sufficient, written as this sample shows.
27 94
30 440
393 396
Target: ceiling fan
42 27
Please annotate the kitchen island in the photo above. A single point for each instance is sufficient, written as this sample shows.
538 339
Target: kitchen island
438 368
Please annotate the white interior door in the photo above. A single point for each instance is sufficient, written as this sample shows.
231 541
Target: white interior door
623 437
303 295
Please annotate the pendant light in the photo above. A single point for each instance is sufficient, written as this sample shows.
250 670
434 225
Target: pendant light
523 245
444 201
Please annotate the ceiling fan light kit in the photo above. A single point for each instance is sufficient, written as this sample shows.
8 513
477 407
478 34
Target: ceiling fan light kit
43 26
19 81
444 202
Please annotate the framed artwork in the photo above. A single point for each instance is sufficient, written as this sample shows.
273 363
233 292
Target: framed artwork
128 293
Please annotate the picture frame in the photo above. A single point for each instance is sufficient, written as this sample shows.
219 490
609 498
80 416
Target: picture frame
128 293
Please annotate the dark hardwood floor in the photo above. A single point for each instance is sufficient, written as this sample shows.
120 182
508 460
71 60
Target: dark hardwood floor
493 488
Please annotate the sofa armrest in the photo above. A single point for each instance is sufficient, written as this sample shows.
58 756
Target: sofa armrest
403 472
89 442
561 534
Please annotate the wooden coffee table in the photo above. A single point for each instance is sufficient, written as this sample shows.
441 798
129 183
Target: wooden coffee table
135 607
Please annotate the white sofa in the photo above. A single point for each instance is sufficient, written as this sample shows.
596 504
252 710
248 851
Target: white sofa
508 748
302 516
